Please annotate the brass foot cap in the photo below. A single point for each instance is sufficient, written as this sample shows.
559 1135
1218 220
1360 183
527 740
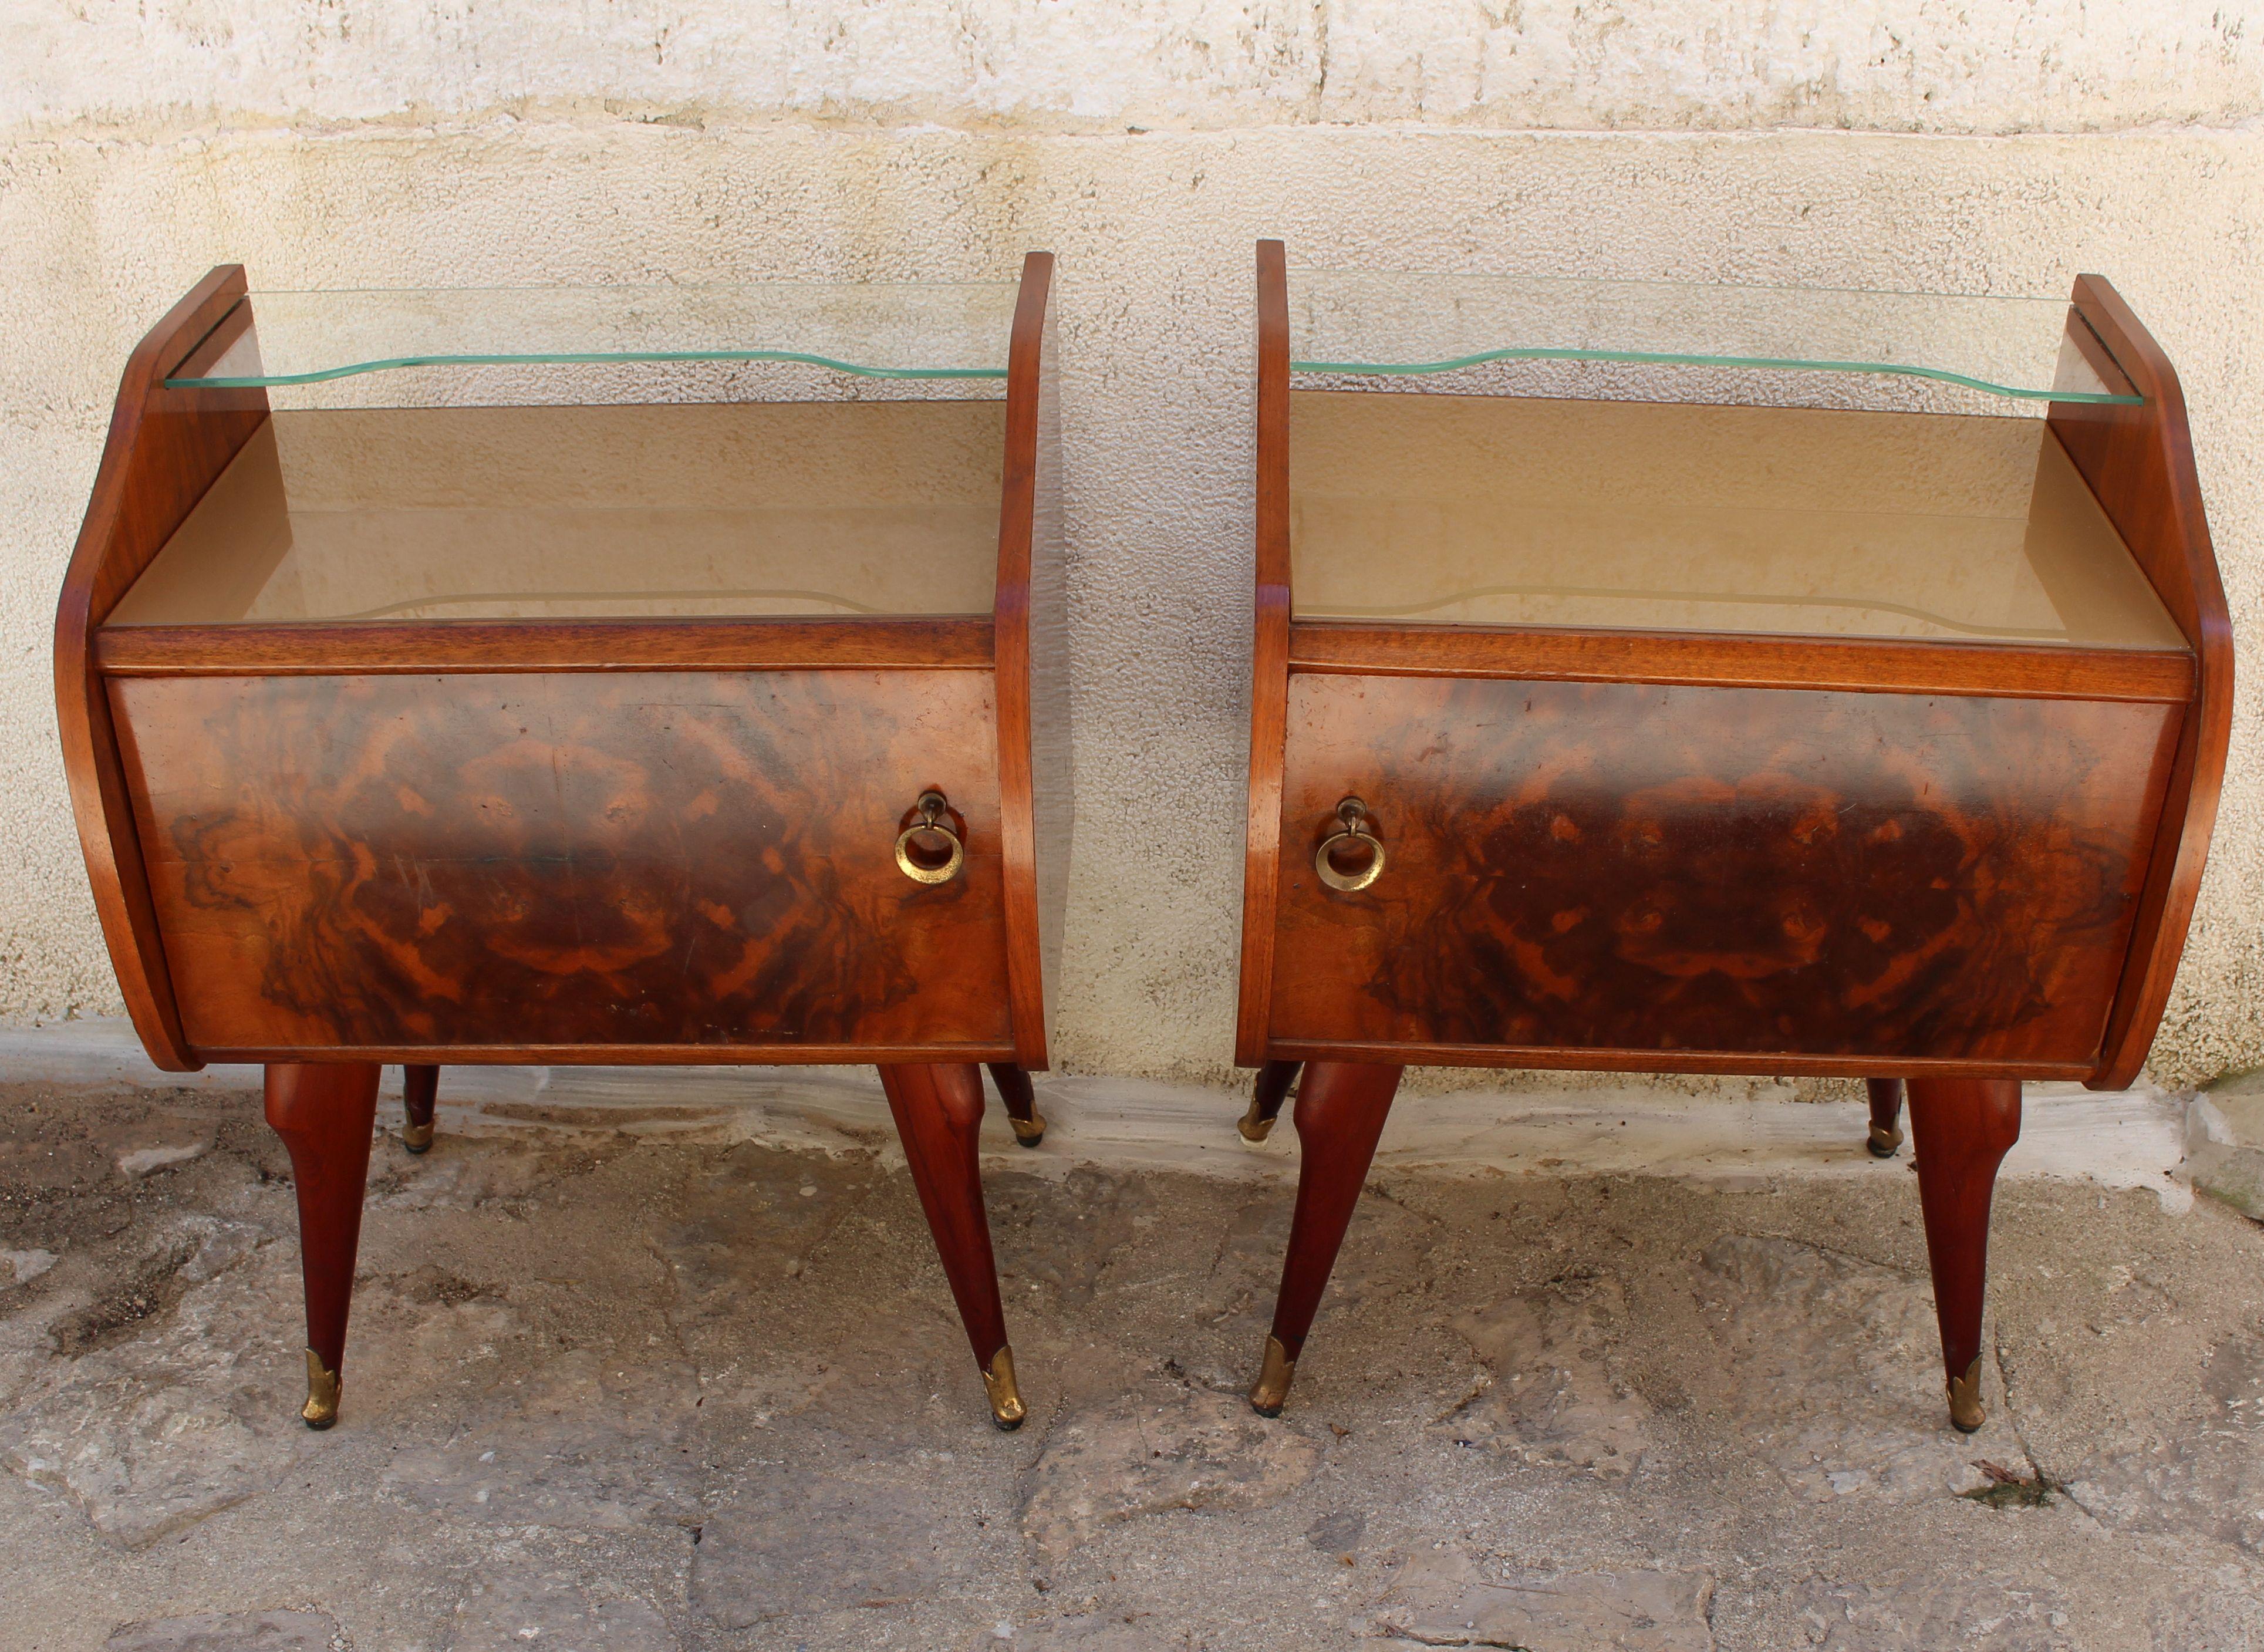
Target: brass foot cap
322 1387
418 1138
1006 1408
1885 1139
1967 1414
1029 1131
1271 1392
1253 1127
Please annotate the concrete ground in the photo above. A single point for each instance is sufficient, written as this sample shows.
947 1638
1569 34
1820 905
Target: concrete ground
619 1381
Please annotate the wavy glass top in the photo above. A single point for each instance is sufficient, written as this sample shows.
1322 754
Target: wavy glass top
1363 321
883 331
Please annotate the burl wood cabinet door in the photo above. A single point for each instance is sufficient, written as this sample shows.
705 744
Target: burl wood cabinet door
589 858
1639 868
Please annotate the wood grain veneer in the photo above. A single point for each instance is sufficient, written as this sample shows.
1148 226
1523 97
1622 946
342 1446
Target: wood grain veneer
1645 868
392 863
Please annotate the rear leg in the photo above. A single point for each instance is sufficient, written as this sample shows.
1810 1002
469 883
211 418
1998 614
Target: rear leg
1886 1115
1266 1098
1021 1102
420 1093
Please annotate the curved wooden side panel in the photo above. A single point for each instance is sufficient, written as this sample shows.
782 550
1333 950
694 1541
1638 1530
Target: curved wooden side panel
2138 461
1017 519
165 448
1269 664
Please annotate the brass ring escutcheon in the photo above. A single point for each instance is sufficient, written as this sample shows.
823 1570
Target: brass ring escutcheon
932 823
1353 816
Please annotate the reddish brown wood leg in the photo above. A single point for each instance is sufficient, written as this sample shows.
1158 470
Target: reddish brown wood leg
939 1108
324 1114
1266 1098
1021 1102
1961 1130
1339 1114
420 1092
1886 1115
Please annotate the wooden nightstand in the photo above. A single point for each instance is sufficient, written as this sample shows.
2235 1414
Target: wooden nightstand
1672 736
688 732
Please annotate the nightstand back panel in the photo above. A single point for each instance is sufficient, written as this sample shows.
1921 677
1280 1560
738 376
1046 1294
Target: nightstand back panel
662 859
1593 867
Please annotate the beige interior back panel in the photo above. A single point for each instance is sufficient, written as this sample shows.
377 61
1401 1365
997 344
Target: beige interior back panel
1420 508
769 508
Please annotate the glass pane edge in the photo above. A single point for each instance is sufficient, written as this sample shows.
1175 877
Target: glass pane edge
591 359
1540 352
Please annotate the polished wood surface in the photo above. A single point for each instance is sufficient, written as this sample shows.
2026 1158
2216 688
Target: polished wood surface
1269 660
603 859
1604 1059
1635 868
324 1115
1340 1114
1017 523
2138 461
1961 1130
394 648
1880 665
939 1112
165 448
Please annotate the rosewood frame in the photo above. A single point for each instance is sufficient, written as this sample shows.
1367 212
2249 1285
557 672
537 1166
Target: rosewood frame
167 446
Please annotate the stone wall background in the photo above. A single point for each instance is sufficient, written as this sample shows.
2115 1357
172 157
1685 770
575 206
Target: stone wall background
1904 143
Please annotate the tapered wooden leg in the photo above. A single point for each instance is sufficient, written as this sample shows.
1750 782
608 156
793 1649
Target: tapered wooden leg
1341 1110
420 1092
939 1108
1266 1098
1961 1130
1021 1102
325 1114
1886 1115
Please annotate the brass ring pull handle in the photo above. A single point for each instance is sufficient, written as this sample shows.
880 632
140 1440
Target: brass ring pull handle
1352 840
928 850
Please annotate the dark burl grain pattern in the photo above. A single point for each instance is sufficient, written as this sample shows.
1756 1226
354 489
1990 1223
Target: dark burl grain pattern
1636 867
663 857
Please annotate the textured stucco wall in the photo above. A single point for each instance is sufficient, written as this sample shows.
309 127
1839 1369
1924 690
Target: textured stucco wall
349 144
1099 65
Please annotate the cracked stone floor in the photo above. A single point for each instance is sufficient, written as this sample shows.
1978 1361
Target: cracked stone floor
607 1390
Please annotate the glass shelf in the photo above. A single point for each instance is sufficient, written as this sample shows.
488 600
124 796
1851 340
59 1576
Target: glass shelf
1371 322
817 509
882 331
1494 509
